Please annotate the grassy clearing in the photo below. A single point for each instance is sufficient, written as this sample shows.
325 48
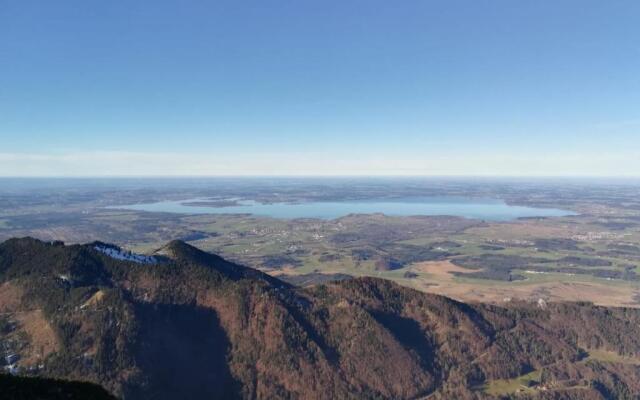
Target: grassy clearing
611 356
523 383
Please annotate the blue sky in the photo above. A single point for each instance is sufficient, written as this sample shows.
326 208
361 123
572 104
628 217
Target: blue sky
320 87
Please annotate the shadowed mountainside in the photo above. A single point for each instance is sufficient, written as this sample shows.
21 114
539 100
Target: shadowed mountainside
186 323
29 388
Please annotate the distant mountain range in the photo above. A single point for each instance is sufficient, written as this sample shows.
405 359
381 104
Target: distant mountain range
183 323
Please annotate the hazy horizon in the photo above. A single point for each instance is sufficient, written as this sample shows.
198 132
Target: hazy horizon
512 178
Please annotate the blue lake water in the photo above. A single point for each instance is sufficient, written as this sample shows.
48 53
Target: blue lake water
487 209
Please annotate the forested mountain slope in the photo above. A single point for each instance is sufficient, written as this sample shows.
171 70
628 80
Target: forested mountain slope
182 323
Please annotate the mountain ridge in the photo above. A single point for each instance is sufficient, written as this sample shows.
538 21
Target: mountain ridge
195 324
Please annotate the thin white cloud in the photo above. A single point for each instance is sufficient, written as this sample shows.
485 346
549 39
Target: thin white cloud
128 163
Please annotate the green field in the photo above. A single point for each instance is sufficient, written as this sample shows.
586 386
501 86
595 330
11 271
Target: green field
522 384
611 356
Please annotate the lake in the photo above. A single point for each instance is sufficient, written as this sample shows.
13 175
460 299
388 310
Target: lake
486 209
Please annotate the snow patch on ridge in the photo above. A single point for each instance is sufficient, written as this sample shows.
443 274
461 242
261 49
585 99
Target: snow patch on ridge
124 255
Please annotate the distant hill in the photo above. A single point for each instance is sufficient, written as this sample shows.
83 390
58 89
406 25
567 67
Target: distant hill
183 323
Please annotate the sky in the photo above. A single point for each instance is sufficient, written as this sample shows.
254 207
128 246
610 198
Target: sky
332 87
